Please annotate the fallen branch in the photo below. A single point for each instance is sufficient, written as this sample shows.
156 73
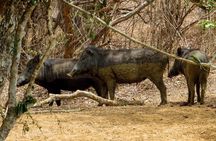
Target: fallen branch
78 93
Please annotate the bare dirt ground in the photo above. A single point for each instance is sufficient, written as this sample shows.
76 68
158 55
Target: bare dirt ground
82 120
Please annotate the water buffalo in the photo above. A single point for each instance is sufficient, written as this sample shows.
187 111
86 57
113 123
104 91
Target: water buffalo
195 75
53 76
123 66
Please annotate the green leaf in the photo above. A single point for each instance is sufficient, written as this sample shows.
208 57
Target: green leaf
22 106
92 35
207 24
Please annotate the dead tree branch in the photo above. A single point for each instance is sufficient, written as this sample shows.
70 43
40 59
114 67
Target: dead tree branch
90 95
121 19
132 13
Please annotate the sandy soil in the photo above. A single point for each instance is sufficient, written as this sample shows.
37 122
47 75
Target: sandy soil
82 120
121 123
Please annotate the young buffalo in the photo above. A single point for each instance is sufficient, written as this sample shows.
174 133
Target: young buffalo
53 76
195 75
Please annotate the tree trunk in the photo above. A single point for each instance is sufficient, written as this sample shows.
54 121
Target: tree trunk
11 114
7 26
68 28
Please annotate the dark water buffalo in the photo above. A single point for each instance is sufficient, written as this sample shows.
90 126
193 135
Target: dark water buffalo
123 66
53 76
195 75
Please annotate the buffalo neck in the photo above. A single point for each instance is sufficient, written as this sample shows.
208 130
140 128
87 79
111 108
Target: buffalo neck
55 69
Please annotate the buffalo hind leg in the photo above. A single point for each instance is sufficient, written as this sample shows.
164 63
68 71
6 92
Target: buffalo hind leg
162 88
203 88
111 85
191 88
198 91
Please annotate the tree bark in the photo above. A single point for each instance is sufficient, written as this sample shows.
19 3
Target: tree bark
7 27
68 29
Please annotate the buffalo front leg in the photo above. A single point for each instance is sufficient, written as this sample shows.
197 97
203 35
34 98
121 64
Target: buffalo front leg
111 85
58 102
102 91
51 103
191 91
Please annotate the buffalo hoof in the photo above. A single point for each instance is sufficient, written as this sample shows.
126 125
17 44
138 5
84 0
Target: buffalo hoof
186 104
163 103
100 104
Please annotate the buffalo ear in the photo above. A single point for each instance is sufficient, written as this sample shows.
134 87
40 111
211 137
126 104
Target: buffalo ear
90 52
179 51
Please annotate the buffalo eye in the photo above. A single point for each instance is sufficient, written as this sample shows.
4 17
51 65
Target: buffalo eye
90 52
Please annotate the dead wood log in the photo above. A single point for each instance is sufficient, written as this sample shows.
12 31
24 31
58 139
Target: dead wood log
79 93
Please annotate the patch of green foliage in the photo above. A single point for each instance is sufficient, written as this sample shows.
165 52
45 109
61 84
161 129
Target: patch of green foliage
33 2
209 4
92 35
22 106
207 24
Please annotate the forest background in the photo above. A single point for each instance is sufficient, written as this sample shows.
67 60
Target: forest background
58 30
